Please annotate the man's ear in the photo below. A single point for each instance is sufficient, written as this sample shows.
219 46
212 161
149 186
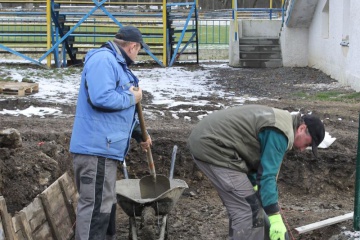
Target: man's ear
301 128
133 45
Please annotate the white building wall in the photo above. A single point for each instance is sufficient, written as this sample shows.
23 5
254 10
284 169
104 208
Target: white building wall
327 31
318 46
294 47
352 71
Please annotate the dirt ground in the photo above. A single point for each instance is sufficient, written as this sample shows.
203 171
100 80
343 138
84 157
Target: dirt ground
310 190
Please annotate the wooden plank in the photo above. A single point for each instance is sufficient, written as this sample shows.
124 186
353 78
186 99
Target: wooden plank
25 226
17 226
43 232
19 236
56 206
49 216
35 214
66 216
31 88
2 233
59 212
54 196
64 186
18 88
6 220
14 91
63 223
324 223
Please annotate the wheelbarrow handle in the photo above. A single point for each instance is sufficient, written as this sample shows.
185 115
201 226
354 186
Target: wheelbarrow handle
145 137
125 172
173 157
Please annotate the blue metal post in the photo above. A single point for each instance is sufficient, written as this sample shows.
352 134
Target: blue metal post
182 35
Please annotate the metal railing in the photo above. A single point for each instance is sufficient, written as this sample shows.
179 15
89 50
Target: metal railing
29 27
259 13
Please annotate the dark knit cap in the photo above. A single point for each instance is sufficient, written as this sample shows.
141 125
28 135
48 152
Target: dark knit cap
316 130
131 34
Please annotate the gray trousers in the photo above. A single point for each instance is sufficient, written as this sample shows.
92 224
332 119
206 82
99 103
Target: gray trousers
246 216
95 179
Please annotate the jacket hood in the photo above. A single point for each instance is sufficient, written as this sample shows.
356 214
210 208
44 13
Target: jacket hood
118 57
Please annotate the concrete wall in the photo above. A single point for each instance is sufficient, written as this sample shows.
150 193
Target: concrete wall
259 28
234 50
294 47
324 44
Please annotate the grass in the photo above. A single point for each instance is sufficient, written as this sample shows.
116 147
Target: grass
335 96
31 76
211 33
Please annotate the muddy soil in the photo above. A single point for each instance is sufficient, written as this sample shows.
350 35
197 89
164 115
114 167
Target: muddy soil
310 190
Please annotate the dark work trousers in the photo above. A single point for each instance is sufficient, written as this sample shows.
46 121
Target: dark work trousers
95 179
246 216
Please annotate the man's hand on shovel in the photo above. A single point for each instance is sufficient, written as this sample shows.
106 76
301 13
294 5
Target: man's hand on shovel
138 96
145 145
137 93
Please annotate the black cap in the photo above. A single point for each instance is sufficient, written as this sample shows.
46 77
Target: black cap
316 130
131 34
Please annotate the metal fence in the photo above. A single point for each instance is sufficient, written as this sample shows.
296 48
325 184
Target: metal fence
28 28
213 27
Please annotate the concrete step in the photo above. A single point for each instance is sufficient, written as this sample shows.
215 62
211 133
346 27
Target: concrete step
261 63
259 41
259 48
260 55
260 52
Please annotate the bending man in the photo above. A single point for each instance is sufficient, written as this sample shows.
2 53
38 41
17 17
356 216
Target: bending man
243 147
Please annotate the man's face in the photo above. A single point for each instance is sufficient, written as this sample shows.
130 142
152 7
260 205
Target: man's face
134 50
302 138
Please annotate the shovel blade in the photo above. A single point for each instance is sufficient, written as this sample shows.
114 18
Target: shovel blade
152 189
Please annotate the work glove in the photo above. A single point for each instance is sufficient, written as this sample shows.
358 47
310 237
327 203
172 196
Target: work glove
277 227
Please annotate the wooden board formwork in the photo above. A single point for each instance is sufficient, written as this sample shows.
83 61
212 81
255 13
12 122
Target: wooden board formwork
6 222
2 233
50 216
18 88
31 223
2 230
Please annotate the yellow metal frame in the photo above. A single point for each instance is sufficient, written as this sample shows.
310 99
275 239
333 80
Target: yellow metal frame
164 34
79 2
48 30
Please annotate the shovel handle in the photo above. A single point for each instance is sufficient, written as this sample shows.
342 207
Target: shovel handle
145 137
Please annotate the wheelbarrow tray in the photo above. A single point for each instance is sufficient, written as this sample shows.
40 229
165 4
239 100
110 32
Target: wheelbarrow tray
129 197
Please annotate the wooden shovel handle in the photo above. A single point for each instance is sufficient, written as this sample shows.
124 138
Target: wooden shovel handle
145 137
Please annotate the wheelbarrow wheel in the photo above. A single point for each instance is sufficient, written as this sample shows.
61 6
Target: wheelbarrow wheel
148 220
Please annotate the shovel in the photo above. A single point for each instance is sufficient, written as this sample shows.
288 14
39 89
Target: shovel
154 185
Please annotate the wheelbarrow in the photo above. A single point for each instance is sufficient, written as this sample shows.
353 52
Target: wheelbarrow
149 209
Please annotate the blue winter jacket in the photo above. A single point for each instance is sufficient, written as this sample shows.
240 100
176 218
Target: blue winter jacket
105 112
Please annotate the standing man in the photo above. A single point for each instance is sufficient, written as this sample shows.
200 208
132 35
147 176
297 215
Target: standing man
104 123
242 148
